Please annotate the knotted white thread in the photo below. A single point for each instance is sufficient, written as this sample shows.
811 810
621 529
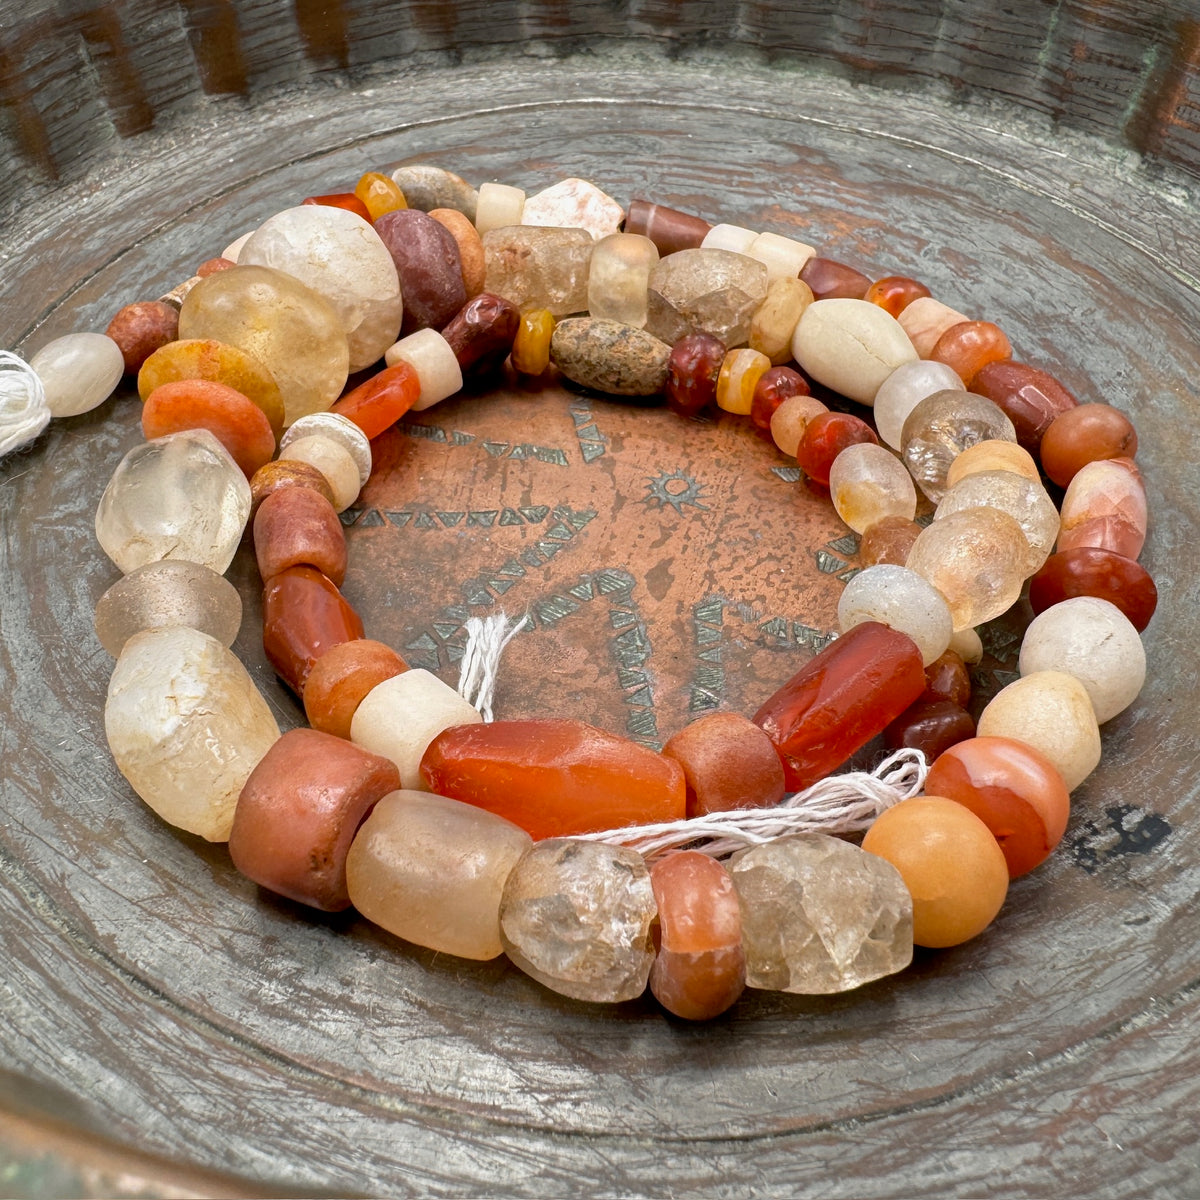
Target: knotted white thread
486 639
839 804
23 409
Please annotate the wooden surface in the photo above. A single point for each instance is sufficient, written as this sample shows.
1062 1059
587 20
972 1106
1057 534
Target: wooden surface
158 1006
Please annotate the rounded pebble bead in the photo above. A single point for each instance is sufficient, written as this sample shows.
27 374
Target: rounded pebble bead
140 329
790 418
901 599
471 259
298 527
931 726
382 400
947 678
888 541
728 763
380 194
435 363
925 320
619 278
969 346
482 332
1105 507
833 280
531 346
610 357
774 386
693 369
333 460
867 483
1089 571
825 437
78 372
344 200
1084 434
337 429
498 205
342 677
1052 712
895 293
428 187
904 389
426 260
739 375
1028 397
993 455
168 593
285 473
776 318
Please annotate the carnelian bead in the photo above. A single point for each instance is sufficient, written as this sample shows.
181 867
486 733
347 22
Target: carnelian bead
947 678
347 200
772 389
1028 397
340 679
380 194
531 346
382 400
831 280
888 541
482 332
1090 571
1087 433
304 615
700 969
968 347
841 699
931 726
233 419
895 293
728 762
825 437
210 266
1105 507
1013 789
693 369
299 527
285 473
554 777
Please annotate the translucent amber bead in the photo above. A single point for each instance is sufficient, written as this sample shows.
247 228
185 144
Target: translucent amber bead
739 375
436 365
895 293
728 762
619 278
901 599
1028 397
776 318
334 462
1105 507
482 332
969 346
925 320
382 400
888 541
237 423
867 483
693 370
380 194
531 346
471 259
931 726
825 436
1089 571
538 267
992 455
1084 434
976 559
789 420
833 280
344 200
78 372
298 527
904 389
342 677
772 389
426 260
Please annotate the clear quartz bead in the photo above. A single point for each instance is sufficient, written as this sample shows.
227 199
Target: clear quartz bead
619 280
904 389
867 483
901 599
705 291
539 267
78 372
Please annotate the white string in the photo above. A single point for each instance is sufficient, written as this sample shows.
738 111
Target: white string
23 409
839 804
486 639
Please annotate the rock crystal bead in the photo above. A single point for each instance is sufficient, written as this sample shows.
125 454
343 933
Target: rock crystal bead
867 483
427 262
728 762
427 187
577 917
471 258
705 291
619 278
1095 642
333 460
1089 571
338 429
668 228
993 455
141 328
925 320
609 356
1028 397
168 593
186 726
78 372
436 365
776 318
904 389
499 207
537 267
740 372
342 677
299 527
1105 507
900 599
291 330
177 497
342 258
700 969
298 812
574 204
432 871
820 916
840 699
851 346
482 332
554 777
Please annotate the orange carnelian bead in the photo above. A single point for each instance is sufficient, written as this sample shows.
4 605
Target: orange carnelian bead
380 402
555 777
347 200
700 969
210 266
1084 434
1090 571
304 615
728 762
825 437
968 347
298 527
286 473
888 541
379 194
531 346
341 678
947 678
1105 507
693 368
233 419
1013 789
895 293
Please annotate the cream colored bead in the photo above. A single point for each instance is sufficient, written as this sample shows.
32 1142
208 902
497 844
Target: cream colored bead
79 371
968 645
339 429
729 237
333 460
783 257
992 455
790 418
233 251
776 318
925 320
498 205
430 355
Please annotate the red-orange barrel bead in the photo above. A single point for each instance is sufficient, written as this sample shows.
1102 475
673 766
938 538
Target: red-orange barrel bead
382 400
1084 434
728 762
482 332
1030 398
347 200
342 677
931 726
298 527
304 615
968 347
774 386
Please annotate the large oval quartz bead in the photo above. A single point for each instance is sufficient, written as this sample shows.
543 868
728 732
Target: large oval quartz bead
78 372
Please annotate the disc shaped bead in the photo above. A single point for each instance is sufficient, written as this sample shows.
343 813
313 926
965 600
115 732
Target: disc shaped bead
342 677
436 365
233 419
728 762
740 372
791 418
904 389
470 248
774 386
299 527
338 429
867 483
993 455
79 371
336 464
285 473
619 278
1105 507
901 599
539 267
940 428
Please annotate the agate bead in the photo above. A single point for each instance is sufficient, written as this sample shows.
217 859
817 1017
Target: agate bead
789 420
347 201
947 678
693 369
285 473
1089 571
774 386
867 483
833 280
931 726
1084 434
894 293
668 228
736 381
1105 507
427 262
531 346
482 332
471 259
1030 398
380 194
382 400
970 346
342 677
728 762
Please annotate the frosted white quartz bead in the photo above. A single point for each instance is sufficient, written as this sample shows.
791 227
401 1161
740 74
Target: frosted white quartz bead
333 460
498 205
186 726
430 355
78 372
338 429
734 238
783 257
1052 712
1094 641
851 346
904 389
868 483
902 600
399 717
619 278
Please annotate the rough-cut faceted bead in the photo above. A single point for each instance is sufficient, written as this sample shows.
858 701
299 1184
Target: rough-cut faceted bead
784 257
304 615
736 238
1025 500
925 320
531 346
1094 641
774 386
432 871
820 916
342 677
482 332
825 437
728 762
950 865
888 541
1105 507
867 482
426 258
341 258
434 360
499 206
402 714
202 358
901 599
471 259
178 497
947 678
833 280
976 559
233 419
700 969
840 699
1084 434
940 428
693 368
538 267
1013 789
347 201
969 346
334 462
668 228
931 726
298 527
140 329
574 204
186 726
78 372
851 346
577 917
380 194
775 319
993 455
336 428
894 293
382 400
285 473
555 777
619 279
609 357
1028 397
299 811
739 375
705 291
1089 571
168 593
292 331
790 419
904 389
1052 712
427 187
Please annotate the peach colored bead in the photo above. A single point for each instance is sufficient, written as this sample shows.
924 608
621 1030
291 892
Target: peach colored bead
925 320
340 679
333 461
470 248
285 473
1084 434
992 455
298 527
740 372
1105 507
237 423
728 762
970 346
888 541
790 418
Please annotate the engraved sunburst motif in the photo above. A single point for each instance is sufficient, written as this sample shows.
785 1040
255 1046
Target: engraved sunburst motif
675 488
